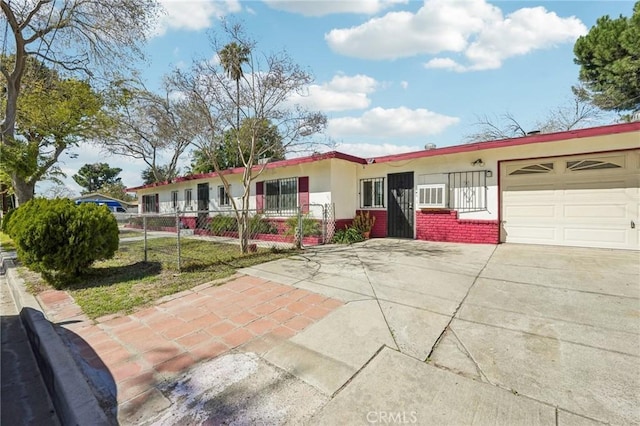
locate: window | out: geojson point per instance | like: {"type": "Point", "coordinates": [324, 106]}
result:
{"type": "Point", "coordinates": [174, 200]}
{"type": "Point", "coordinates": [467, 191]}
{"type": "Point", "coordinates": [372, 192]}
{"type": "Point", "coordinates": [533, 169]}
{"type": "Point", "coordinates": [149, 203]}
{"type": "Point", "coordinates": [281, 195]}
{"type": "Point", "coordinates": [188, 196]}
{"type": "Point", "coordinates": [591, 165]}
{"type": "Point", "coordinates": [223, 197]}
{"type": "Point", "coordinates": [432, 196]}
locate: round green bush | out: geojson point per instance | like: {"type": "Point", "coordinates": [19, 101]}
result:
{"type": "Point", "coordinates": [56, 237]}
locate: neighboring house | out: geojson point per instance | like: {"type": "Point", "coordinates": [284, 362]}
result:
{"type": "Point", "coordinates": [131, 207]}
{"type": "Point", "coordinates": [575, 188]}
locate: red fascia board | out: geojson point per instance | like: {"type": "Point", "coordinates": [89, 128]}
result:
{"type": "Point", "coordinates": [275, 164]}
{"type": "Point", "coordinates": [525, 140]}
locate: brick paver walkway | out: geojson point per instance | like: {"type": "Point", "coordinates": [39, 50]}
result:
{"type": "Point", "coordinates": [158, 342]}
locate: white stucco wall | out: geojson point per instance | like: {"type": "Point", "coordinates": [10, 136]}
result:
{"type": "Point", "coordinates": [344, 184]}
{"type": "Point", "coordinates": [431, 170]}
{"type": "Point", "coordinates": [434, 169]}
{"type": "Point", "coordinates": [337, 181]}
{"type": "Point", "coordinates": [319, 174]}
{"type": "Point", "coordinates": [164, 192]}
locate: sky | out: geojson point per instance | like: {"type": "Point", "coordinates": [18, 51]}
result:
{"type": "Point", "coordinates": [390, 75]}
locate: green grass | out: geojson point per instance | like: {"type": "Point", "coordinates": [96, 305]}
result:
{"type": "Point", "coordinates": [126, 282]}
{"type": "Point", "coordinates": [6, 243]}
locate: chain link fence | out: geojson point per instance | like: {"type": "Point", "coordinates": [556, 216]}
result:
{"type": "Point", "coordinates": [170, 238]}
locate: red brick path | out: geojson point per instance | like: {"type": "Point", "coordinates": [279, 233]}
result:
{"type": "Point", "coordinates": [185, 328]}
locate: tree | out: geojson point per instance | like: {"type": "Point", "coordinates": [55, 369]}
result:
{"type": "Point", "coordinates": [212, 100]}
{"type": "Point", "coordinates": [147, 126]}
{"type": "Point", "coordinates": [269, 144]}
{"type": "Point", "coordinates": [54, 114]}
{"type": "Point", "coordinates": [157, 175]}
{"type": "Point", "coordinates": [609, 59]}
{"type": "Point", "coordinates": [59, 191]}
{"type": "Point", "coordinates": [232, 57]}
{"type": "Point", "coordinates": [116, 190]}
{"type": "Point", "coordinates": [74, 35]}
{"type": "Point", "coordinates": [579, 112]}
{"type": "Point", "coordinates": [92, 177]}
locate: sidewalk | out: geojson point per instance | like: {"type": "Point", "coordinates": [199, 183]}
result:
{"type": "Point", "coordinates": [152, 346]}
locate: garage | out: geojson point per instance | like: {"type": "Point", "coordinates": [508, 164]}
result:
{"type": "Point", "coordinates": [581, 200]}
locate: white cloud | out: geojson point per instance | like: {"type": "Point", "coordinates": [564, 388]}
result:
{"type": "Point", "coordinates": [445, 63]}
{"type": "Point", "coordinates": [340, 94]}
{"type": "Point", "coordinates": [393, 122]}
{"type": "Point", "coordinates": [404, 84]}
{"type": "Point", "coordinates": [193, 15]}
{"type": "Point", "coordinates": [324, 7]}
{"type": "Point", "coordinates": [473, 28]}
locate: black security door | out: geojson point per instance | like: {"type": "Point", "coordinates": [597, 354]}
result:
{"type": "Point", "coordinates": [203, 204]}
{"type": "Point", "coordinates": [400, 212]}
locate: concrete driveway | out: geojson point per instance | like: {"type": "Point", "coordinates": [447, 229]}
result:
{"type": "Point", "coordinates": [437, 333]}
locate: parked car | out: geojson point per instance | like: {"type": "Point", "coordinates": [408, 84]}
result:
{"type": "Point", "coordinates": [114, 206]}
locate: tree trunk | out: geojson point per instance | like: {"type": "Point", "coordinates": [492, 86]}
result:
{"type": "Point", "coordinates": [24, 190]}
{"type": "Point", "coordinates": [244, 232]}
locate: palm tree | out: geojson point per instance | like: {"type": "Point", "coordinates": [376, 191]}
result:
{"type": "Point", "coordinates": [232, 56]}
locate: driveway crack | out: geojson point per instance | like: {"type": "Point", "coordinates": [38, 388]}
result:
{"type": "Point", "coordinates": [466, 351]}
{"type": "Point", "coordinates": [375, 296]}
{"type": "Point", "coordinates": [455, 312]}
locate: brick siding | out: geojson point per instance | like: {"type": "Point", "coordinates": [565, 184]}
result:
{"type": "Point", "coordinates": [379, 229]}
{"type": "Point", "coordinates": [444, 225]}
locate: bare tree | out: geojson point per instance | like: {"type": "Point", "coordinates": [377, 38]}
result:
{"type": "Point", "coordinates": [213, 98]}
{"type": "Point", "coordinates": [79, 36]}
{"type": "Point", "coordinates": [147, 126]}
{"type": "Point", "coordinates": [60, 191]}
{"type": "Point", "coordinates": [503, 127]}
{"type": "Point", "coordinates": [578, 113]}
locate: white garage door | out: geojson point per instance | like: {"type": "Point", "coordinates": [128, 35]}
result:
{"type": "Point", "coordinates": [587, 201]}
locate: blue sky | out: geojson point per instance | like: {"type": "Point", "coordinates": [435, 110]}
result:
{"type": "Point", "coordinates": [393, 75]}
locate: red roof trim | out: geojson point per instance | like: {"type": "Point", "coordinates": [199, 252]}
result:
{"type": "Point", "coordinates": [275, 164]}
{"type": "Point", "coordinates": [540, 138]}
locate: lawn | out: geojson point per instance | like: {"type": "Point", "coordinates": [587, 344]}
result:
{"type": "Point", "coordinates": [6, 243]}
{"type": "Point", "coordinates": [126, 282]}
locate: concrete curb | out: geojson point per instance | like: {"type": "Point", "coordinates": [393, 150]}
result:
{"type": "Point", "coordinates": [73, 399]}
{"type": "Point", "coordinates": [21, 297]}
{"type": "Point", "coordinates": [74, 402]}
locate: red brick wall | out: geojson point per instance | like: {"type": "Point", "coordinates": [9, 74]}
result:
{"type": "Point", "coordinates": [379, 229]}
{"type": "Point", "coordinates": [444, 225]}
{"type": "Point", "coordinates": [343, 223]}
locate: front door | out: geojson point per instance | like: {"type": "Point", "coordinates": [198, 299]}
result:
{"type": "Point", "coordinates": [203, 204]}
{"type": "Point", "coordinates": [400, 213]}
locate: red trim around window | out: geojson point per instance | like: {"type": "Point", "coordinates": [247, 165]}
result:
{"type": "Point", "coordinates": [303, 193]}
{"type": "Point", "coordinates": [259, 197]}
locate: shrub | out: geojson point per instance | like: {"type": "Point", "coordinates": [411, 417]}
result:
{"type": "Point", "coordinates": [348, 235]}
{"type": "Point", "coordinates": [363, 222]}
{"type": "Point", "coordinates": [222, 223]}
{"type": "Point", "coordinates": [5, 221]}
{"type": "Point", "coordinates": [310, 227]}
{"type": "Point", "coordinates": [153, 222]}
{"type": "Point", "coordinates": [22, 214]}
{"type": "Point", "coordinates": [57, 238]}
{"type": "Point", "coordinates": [258, 225]}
